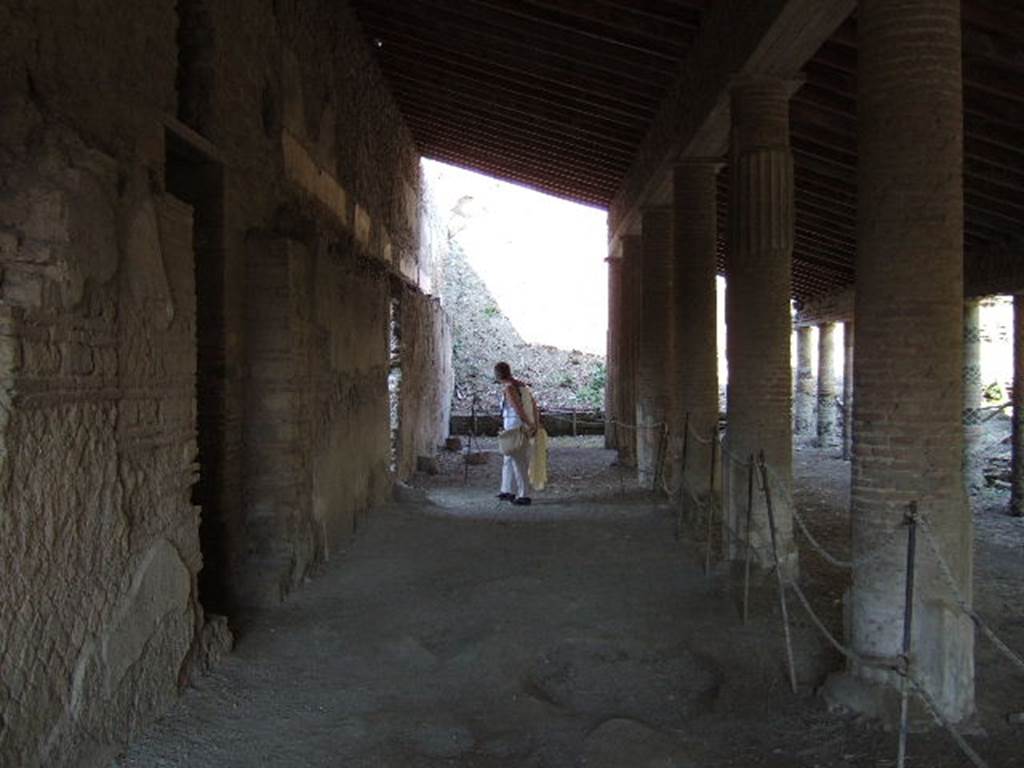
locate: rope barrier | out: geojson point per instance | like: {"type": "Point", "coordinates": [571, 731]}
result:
{"type": "Point", "coordinates": [933, 709]}
{"type": "Point", "coordinates": [765, 480]}
{"type": "Point", "coordinates": [962, 604]}
{"type": "Point", "coordinates": [848, 564]}
{"type": "Point", "coordinates": [902, 670]}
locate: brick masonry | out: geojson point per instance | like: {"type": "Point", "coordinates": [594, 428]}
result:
{"type": "Point", "coordinates": [100, 545]}
{"type": "Point", "coordinates": [908, 435]}
{"type": "Point", "coordinates": [652, 385]}
{"type": "Point", "coordinates": [612, 407]}
{"type": "Point", "coordinates": [826, 410]}
{"type": "Point", "coordinates": [804, 395]}
{"type": "Point", "coordinates": [693, 358]}
{"type": "Point", "coordinates": [758, 270]}
{"type": "Point", "coordinates": [629, 340]}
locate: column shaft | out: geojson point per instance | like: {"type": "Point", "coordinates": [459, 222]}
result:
{"type": "Point", "coordinates": [694, 353]}
{"type": "Point", "coordinates": [826, 405]}
{"type": "Point", "coordinates": [847, 390]}
{"type": "Point", "coordinates": [612, 347]}
{"type": "Point", "coordinates": [1017, 460]}
{"type": "Point", "coordinates": [758, 317]}
{"type": "Point", "coordinates": [908, 431]}
{"type": "Point", "coordinates": [629, 339]}
{"type": "Point", "coordinates": [652, 364]}
{"type": "Point", "coordinates": [972, 387]}
{"type": "Point", "coordinates": [803, 405]}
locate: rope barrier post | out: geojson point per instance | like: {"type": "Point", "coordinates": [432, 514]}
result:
{"type": "Point", "coordinates": [908, 618]}
{"type": "Point", "coordinates": [750, 514]}
{"type": "Point", "coordinates": [659, 459]}
{"type": "Point", "coordinates": [682, 483]}
{"type": "Point", "coordinates": [469, 449]}
{"type": "Point", "coordinates": [686, 439]}
{"type": "Point", "coordinates": [778, 571]}
{"type": "Point", "coordinates": [574, 434]}
{"type": "Point", "coordinates": [711, 504]}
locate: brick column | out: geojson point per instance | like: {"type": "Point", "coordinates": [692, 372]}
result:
{"type": "Point", "coordinates": [803, 403]}
{"type": "Point", "coordinates": [652, 363]}
{"type": "Point", "coordinates": [694, 353]}
{"type": "Point", "coordinates": [612, 353]}
{"type": "Point", "coordinates": [972, 385]}
{"type": "Point", "coordinates": [826, 400]}
{"type": "Point", "coordinates": [847, 391]}
{"type": "Point", "coordinates": [908, 432]}
{"type": "Point", "coordinates": [758, 318]}
{"type": "Point", "coordinates": [1017, 462]}
{"type": "Point", "coordinates": [629, 339]}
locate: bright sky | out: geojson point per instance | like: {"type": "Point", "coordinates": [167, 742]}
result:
{"type": "Point", "coordinates": [541, 257]}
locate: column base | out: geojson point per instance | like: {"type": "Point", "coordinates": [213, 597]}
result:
{"type": "Point", "coordinates": [879, 702]}
{"type": "Point", "coordinates": [848, 692]}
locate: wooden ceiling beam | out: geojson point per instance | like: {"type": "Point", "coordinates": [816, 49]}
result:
{"type": "Point", "coordinates": [462, 40]}
{"type": "Point", "coordinates": [603, 157]}
{"type": "Point", "coordinates": [471, 19]}
{"type": "Point", "coordinates": [567, 20]}
{"type": "Point", "coordinates": [477, 55]}
{"type": "Point", "coordinates": [523, 154]}
{"type": "Point", "coordinates": [1002, 20]}
{"type": "Point", "coordinates": [443, 89]}
{"type": "Point", "coordinates": [641, 20]}
{"type": "Point", "coordinates": [560, 82]}
{"type": "Point", "coordinates": [565, 118]}
{"type": "Point", "coordinates": [542, 182]}
{"type": "Point", "coordinates": [497, 125]}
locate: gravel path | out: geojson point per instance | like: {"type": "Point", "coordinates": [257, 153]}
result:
{"type": "Point", "coordinates": [457, 631]}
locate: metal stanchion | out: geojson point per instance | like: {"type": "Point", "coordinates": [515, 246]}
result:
{"type": "Point", "coordinates": [682, 485]}
{"type": "Point", "coordinates": [659, 458]}
{"type": "Point", "coordinates": [908, 618]}
{"type": "Point", "coordinates": [711, 502]}
{"type": "Point", "coordinates": [778, 571]}
{"type": "Point", "coordinates": [750, 514]}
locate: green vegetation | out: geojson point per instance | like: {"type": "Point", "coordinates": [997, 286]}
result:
{"type": "Point", "coordinates": [593, 393]}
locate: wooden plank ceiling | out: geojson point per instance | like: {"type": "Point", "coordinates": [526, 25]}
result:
{"type": "Point", "coordinates": [558, 95]}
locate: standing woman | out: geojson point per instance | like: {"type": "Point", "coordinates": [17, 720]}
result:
{"type": "Point", "coordinates": [518, 412]}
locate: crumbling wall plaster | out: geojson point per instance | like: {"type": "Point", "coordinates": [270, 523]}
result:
{"type": "Point", "coordinates": [98, 539]}
{"type": "Point", "coordinates": [99, 544]}
{"type": "Point", "coordinates": [428, 379]}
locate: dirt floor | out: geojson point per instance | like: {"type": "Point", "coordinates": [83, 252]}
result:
{"type": "Point", "coordinates": [461, 631]}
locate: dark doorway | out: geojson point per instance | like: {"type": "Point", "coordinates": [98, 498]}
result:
{"type": "Point", "coordinates": [194, 176]}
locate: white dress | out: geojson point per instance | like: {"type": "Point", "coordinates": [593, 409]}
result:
{"type": "Point", "coordinates": [515, 470]}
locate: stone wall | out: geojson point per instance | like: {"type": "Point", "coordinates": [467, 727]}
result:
{"type": "Point", "coordinates": [428, 378]}
{"type": "Point", "coordinates": [259, 194]}
{"type": "Point", "coordinates": [99, 546]}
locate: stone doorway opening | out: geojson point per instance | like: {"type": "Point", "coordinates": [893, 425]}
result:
{"type": "Point", "coordinates": [195, 176]}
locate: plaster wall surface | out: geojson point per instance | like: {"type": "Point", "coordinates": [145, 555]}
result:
{"type": "Point", "coordinates": [99, 546]}
{"type": "Point", "coordinates": [428, 378]}
{"type": "Point", "coordinates": [99, 537]}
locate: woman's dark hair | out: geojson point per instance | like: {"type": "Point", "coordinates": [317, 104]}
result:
{"type": "Point", "coordinates": [503, 371]}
